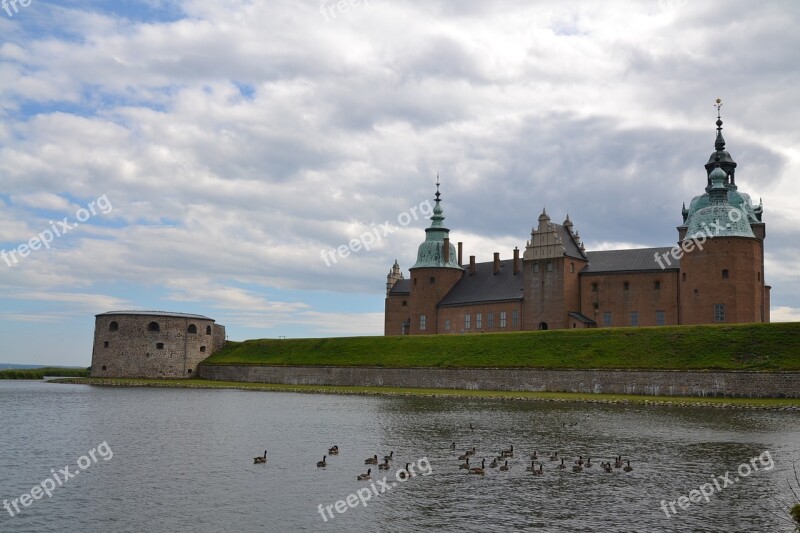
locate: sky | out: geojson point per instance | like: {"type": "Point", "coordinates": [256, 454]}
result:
{"type": "Point", "coordinates": [201, 156]}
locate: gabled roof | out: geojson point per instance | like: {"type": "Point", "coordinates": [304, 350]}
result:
{"type": "Point", "coordinates": [485, 285]}
{"type": "Point", "coordinates": [401, 286]}
{"type": "Point", "coordinates": [634, 260]}
{"type": "Point", "coordinates": [570, 248]}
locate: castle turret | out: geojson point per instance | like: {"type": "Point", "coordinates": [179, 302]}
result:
{"type": "Point", "coordinates": [395, 275]}
{"type": "Point", "coordinates": [434, 274]}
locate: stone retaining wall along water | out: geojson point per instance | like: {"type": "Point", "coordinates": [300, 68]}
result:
{"type": "Point", "coordinates": [645, 382]}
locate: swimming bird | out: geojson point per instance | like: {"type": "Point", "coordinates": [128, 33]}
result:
{"type": "Point", "coordinates": [504, 468]}
{"type": "Point", "coordinates": [470, 452]}
{"type": "Point", "coordinates": [463, 456]}
{"type": "Point", "coordinates": [579, 461]}
{"type": "Point", "coordinates": [628, 467]}
{"type": "Point", "coordinates": [333, 450]}
{"type": "Point", "coordinates": [260, 460]}
{"type": "Point", "coordinates": [508, 453]}
{"type": "Point", "coordinates": [388, 458]}
{"type": "Point", "coordinates": [588, 462]}
{"type": "Point", "coordinates": [365, 477]}
{"type": "Point", "coordinates": [372, 460]}
{"type": "Point", "coordinates": [404, 474]}
{"type": "Point", "coordinates": [607, 468]}
{"type": "Point", "coordinates": [534, 457]}
{"type": "Point", "coordinates": [554, 457]}
{"type": "Point", "coordinates": [464, 465]}
{"type": "Point", "coordinates": [453, 446]}
{"type": "Point", "coordinates": [531, 468]}
{"type": "Point", "coordinates": [384, 466]}
{"type": "Point", "coordinates": [471, 427]}
{"type": "Point", "coordinates": [479, 470]}
{"type": "Point", "coordinates": [561, 466]}
{"type": "Point", "coordinates": [493, 463]}
{"type": "Point", "coordinates": [323, 463]}
{"type": "Point", "coordinates": [618, 462]}
{"type": "Point", "coordinates": [577, 468]}
{"type": "Point", "coordinates": [539, 472]}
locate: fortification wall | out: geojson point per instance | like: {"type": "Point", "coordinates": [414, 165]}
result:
{"type": "Point", "coordinates": [664, 383]}
{"type": "Point", "coordinates": [131, 346]}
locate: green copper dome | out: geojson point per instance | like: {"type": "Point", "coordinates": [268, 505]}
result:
{"type": "Point", "coordinates": [718, 218]}
{"type": "Point", "coordinates": [431, 252]}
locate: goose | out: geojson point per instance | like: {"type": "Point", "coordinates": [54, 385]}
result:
{"type": "Point", "coordinates": [493, 463]}
{"type": "Point", "coordinates": [260, 459]}
{"type": "Point", "coordinates": [333, 450]}
{"type": "Point", "coordinates": [463, 456]}
{"type": "Point", "coordinates": [561, 466]}
{"type": "Point", "coordinates": [628, 467]}
{"type": "Point", "coordinates": [471, 427]}
{"type": "Point", "coordinates": [323, 463]}
{"type": "Point", "coordinates": [534, 457]}
{"type": "Point", "coordinates": [554, 457]}
{"type": "Point", "coordinates": [508, 453]}
{"type": "Point", "coordinates": [365, 477]}
{"type": "Point", "coordinates": [372, 460]}
{"type": "Point", "coordinates": [504, 468]}
{"type": "Point", "coordinates": [618, 462]}
{"type": "Point", "coordinates": [384, 466]}
{"type": "Point", "coordinates": [577, 468]}
{"type": "Point", "coordinates": [479, 470]}
{"type": "Point", "coordinates": [389, 457]}
{"type": "Point", "coordinates": [539, 472]}
{"type": "Point", "coordinates": [607, 467]}
{"type": "Point", "coordinates": [465, 465]}
{"type": "Point", "coordinates": [579, 462]}
{"type": "Point", "coordinates": [470, 452]}
{"type": "Point", "coordinates": [404, 474]}
{"type": "Point", "coordinates": [588, 462]}
{"type": "Point", "coordinates": [531, 468]}
{"type": "Point", "coordinates": [453, 446]}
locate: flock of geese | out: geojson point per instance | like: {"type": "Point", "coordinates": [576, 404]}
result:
{"type": "Point", "coordinates": [334, 450]}
{"type": "Point", "coordinates": [578, 465]}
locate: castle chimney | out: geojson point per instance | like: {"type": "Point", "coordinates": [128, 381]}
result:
{"type": "Point", "coordinates": [516, 260]}
{"type": "Point", "coordinates": [446, 250]}
{"type": "Point", "coordinates": [471, 265]}
{"type": "Point", "coordinates": [496, 262]}
{"type": "Point", "coordinates": [460, 257]}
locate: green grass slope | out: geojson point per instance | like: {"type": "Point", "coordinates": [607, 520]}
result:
{"type": "Point", "coordinates": [718, 347]}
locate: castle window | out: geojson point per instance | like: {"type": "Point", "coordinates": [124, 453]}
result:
{"type": "Point", "coordinates": [192, 328]}
{"type": "Point", "coordinates": [696, 292]}
{"type": "Point", "coordinates": [153, 326]}
{"type": "Point", "coordinates": [490, 320]}
{"type": "Point", "coordinates": [634, 318]}
{"type": "Point", "coordinates": [432, 280]}
{"type": "Point", "coordinates": [478, 320]}
{"type": "Point", "coordinates": [105, 344]}
{"type": "Point", "coordinates": [725, 274]}
{"type": "Point", "coordinates": [759, 276]}
{"type": "Point", "coordinates": [160, 346]}
{"type": "Point", "coordinates": [626, 286]}
{"type": "Point", "coordinates": [467, 321]}
{"type": "Point", "coordinates": [113, 326]}
{"type": "Point", "coordinates": [607, 318]}
{"type": "Point", "coordinates": [189, 371]}
{"type": "Point", "coordinates": [719, 312]}
{"type": "Point", "coordinates": [447, 325]}
{"type": "Point", "coordinates": [571, 268]}
{"type": "Point", "coordinates": [405, 303]}
{"type": "Point", "coordinates": [415, 281]}
{"type": "Point", "coordinates": [549, 266]}
{"type": "Point", "coordinates": [683, 276]}
{"type": "Point", "coordinates": [103, 367]}
{"type": "Point", "coordinates": [535, 267]}
{"type": "Point", "coordinates": [422, 322]}
{"type": "Point", "coordinates": [657, 285]}
{"type": "Point", "coordinates": [502, 319]}
{"type": "Point", "coordinates": [594, 287]}
{"type": "Point", "coordinates": [660, 318]}
{"type": "Point", "coordinates": [208, 330]}
{"type": "Point", "coordinates": [202, 348]}
{"type": "Point", "coordinates": [515, 318]}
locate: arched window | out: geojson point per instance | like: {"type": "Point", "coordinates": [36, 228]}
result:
{"type": "Point", "coordinates": [153, 326]}
{"type": "Point", "coordinates": [113, 326]}
{"type": "Point", "coordinates": [160, 346]}
{"type": "Point", "coordinates": [725, 274]}
{"type": "Point", "coordinates": [202, 348]}
{"type": "Point", "coordinates": [208, 330]}
{"type": "Point", "coordinates": [192, 328]}
{"type": "Point", "coordinates": [104, 367]}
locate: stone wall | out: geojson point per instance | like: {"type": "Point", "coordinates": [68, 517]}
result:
{"type": "Point", "coordinates": [664, 383]}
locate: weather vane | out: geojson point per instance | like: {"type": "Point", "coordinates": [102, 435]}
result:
{"type": "Point", "coordinates": [718, 104]}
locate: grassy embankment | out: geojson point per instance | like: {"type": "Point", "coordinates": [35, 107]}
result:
{"type": "Point", "coordinates": [770, 347]}
{"type": "Point", "coordinates": [757, 403]}
{"type": "Point", "coordinates": [39, 373]}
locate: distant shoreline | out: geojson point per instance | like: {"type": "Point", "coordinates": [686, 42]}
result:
{"type": "Point", "coordinates": [779, 404]}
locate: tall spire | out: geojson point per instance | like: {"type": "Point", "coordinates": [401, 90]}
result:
{"type": "Point", "coordinates": [719, 144]}
{"type": "Point", "coordinates": [726, 161]}
{"type": "Point", "coordinates": [431, 252]}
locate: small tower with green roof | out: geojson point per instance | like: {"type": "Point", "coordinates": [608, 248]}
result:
{"type": "Point", "coordinates": [434, 274]}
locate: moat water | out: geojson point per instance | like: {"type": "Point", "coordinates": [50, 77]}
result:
{"type": "Point", "coordinates": [183, 461]}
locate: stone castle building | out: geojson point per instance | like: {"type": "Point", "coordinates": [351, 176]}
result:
{"type": "Point", "coordinates": [152, 344]}
{"type": "Point", "coordinates": [715, 274]}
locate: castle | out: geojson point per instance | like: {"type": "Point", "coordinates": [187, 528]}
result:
{"type": "Point", "coordinates": [152, 344]}
{"type": "Point", "coordinates": [714, 274]}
